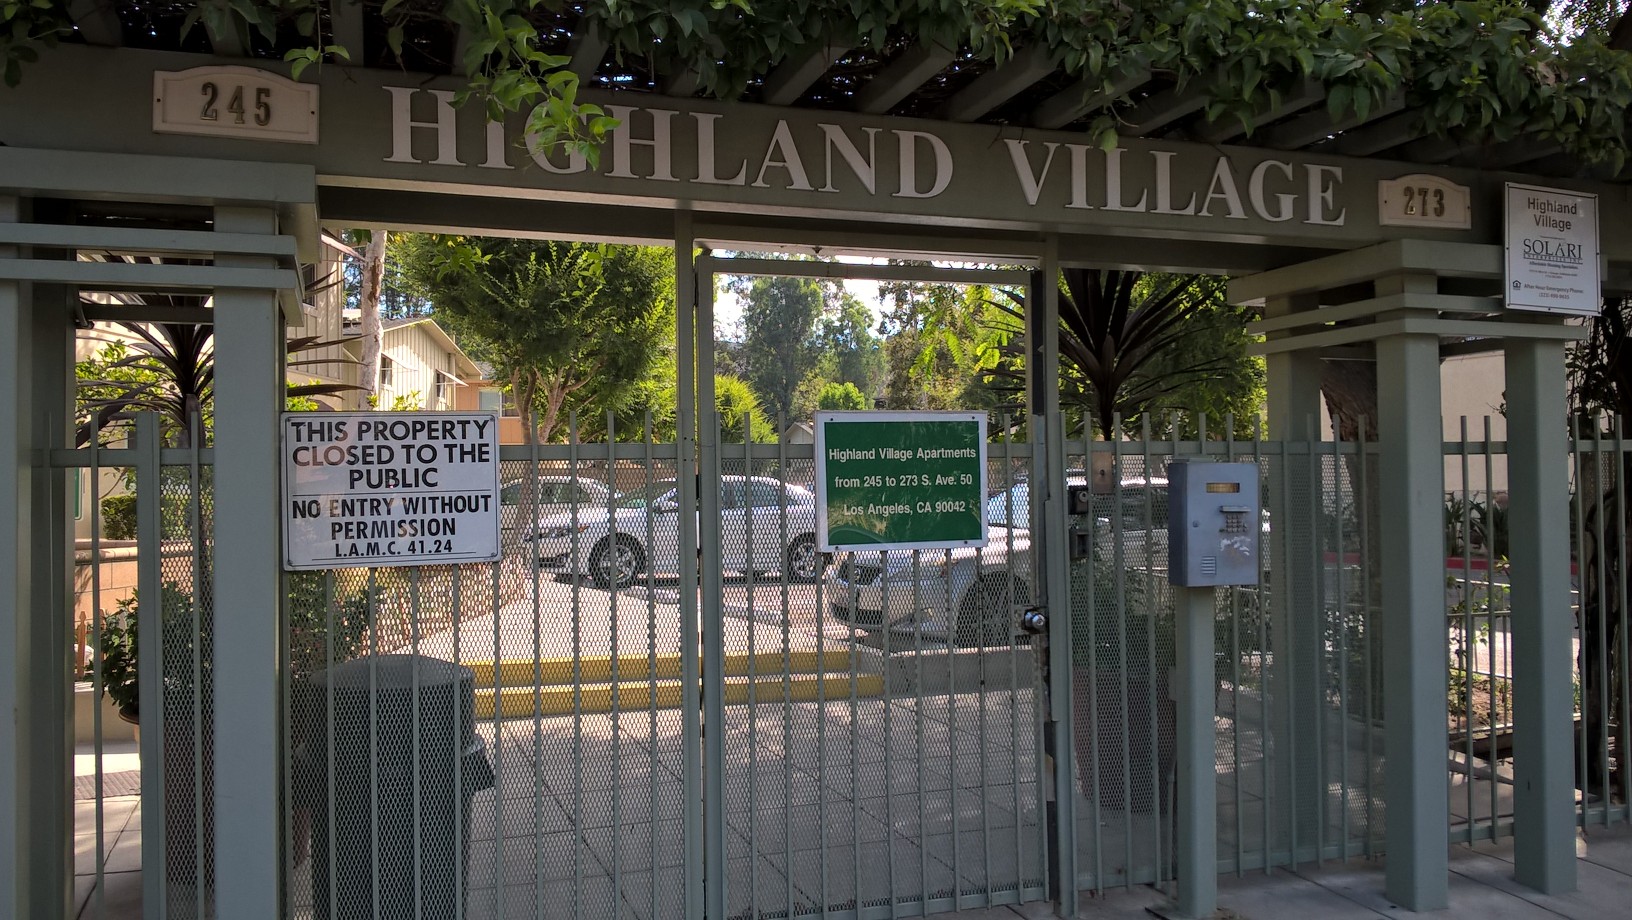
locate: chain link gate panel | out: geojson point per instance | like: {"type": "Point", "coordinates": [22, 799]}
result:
{"type": "Point", "coordinates": [502, 740]}
{"type": "Point", "coordinates": [879, 747]}
{"type": "Point", "coordinates": [1297, 723]}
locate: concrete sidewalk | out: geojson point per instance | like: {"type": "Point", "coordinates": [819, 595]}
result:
{"type": "Point", "coordinates": [1481, 885]}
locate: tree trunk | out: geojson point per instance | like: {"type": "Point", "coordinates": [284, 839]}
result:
{"type": "Point", "coordinates": [1350, 388]}
{"type": "Point", "coordinates": [368, 301]}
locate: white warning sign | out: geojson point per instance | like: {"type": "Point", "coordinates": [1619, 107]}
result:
{"type": "Point", "coordinates": [389, 488]}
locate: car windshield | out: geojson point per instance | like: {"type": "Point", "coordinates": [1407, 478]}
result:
{"type": "Point", "coordinates": [645, 497]}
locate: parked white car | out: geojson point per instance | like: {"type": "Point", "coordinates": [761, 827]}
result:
{"type": "Point", "coordinates": [552, 495]}
{"type": "Point", "coordinates": [969, 597]}
{"type": "Point", "coordinates": [641, 533]}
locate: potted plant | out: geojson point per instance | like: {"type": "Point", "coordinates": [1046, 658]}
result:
{"type": "Point", "coordinates": [188, 768]}
{"type": "Point", "coordinates": [118, 653]}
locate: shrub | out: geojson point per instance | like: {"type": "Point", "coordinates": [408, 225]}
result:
{"type": "Point", "coordinates": [119, 517]}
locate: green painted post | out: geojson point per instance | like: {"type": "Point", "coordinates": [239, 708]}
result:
{"type": "Point", "coordinates": [1538, 525]}
{"type": "Point", "coordinates": [687, 281]}
{"type": "Point", "coordinates": [1294, 808]}
{"type": "Point", "coordinates": [1048, 463]}
{"type": "Point", "coordinates": [35, 738]}
{"type": "Point", "coordinates": [1412, 485]}
{"type": "Point", "coordinates": [712, 591]}
{"type": "Point", "coordinates": [17, 897]}
{"type": "Point", "coordinates": [1198, 781]}
{"type": "Point", "coordinates": [248, 584]}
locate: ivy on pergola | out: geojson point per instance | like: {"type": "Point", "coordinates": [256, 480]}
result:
{"type": "Point", "coordinates": [1481, 70]}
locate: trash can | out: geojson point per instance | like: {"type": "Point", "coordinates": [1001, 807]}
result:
{"type": "Point", "coordinates": [402, 816]}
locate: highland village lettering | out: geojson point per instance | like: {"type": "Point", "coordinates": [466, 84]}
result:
{"type": "Point", "coordinates": [882, 163]}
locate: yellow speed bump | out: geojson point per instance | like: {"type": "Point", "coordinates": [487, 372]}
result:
{"type": "Point", "coordinates": [526, 702]}
{"type": "Point", "coordinates": [547, 672]}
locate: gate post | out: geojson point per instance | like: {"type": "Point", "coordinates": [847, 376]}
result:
{"type": "Point", "coordinates": [1543, 761]}
{"type": "Point", "coordinates": [1412, 486]}
{"type": "Point", "coordinates": [1294, 396]}
{"type": "Point", "coordinates": [1048, 467]}
{"type": "Point", "coordinates": [249, 394]}
{"type": "Point", "coordinates": [35, 744]}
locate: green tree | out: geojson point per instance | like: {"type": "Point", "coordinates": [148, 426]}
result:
{"type": "Point", "coordinates": [567, 326]}
{"type": "Point", "coordinates": [937, 355]}
{"type": "Point", "coordinates": [1477, 70]}
{"type": "Point", "coordinates": [842, 396]}
{"type": "Point", "coordinates": [779, 316]}
{"type": "Point", "coordinates": [847, 350]}
{"type": "Point", "coordinates": [168, 369]}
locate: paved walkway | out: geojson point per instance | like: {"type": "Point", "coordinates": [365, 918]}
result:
{"type": "Point", "coordinates": [1481, 886]}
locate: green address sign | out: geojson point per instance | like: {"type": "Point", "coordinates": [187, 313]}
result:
{"type": "Point", "coordinates": [900, 480]}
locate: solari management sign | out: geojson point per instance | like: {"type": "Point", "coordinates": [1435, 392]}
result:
{"type": "Point", "coordinates": [389, 488]}
{"type": "Point", "coordinates": [1552, 250]}
{"type": "Point", "coordinates": [900, 480]}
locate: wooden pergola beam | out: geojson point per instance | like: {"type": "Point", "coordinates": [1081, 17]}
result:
{"type": "Point", "coordinates": [1000, 84]}
{"type": "Point", "coordinates": [785, 84]}
{"type": "Point", "coordinates": [910, 70]}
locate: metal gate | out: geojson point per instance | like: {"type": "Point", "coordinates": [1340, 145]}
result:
{"type": "Point", "coordinates": [839, 769]}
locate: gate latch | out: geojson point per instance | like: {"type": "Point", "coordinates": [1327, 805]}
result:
{"type": "Point", "coordinates": [1034, 620]}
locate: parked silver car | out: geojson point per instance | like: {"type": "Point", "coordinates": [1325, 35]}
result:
{"type": "Point", "coordinates": [551, 495]}
{"type": "Point", "coordinates": [970, 597]}
{"type": "Point", "coordinates": [641, 533]}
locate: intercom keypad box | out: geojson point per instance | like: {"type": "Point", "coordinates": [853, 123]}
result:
{"type": "Point", "coordinates": [1213, 523]}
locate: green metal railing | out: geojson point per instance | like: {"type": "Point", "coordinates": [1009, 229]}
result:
{"type": "Point", "coordinates": [868, 743]}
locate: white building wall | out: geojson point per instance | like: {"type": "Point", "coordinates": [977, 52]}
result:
{"type": "Point", "coordinates": [1473, 386]}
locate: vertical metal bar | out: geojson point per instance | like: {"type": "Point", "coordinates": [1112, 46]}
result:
{"type": "Point", "coordinates": [889, 744]}
{"type": "Point", "coordinates": [616, 696]}
{"type": "Point", "coordinates": [1120, 600]}
{"type": "Point", "coordinates": [1090, 602]}
{"type": "Point", "coordinates": [1160, 839]}
{"type": "Point", "coordinates": [1605, 664]}
{"type": "Point", "coordinates": [461, 857]}
{"type": "Point", "coordinates": [787, 652]}
{"type": "Point", "coordinates": [651, 663]}
{"type": "Point", "coordinates": [538, 687]}
{"type": "Point", "coordinates": [1047, 424]}
{"type": "Point", "coordinates": [578, 679]}
{"type": "Point", "coordinates": [1362, 505]}
{"type": "Point", "coordinates": [918, 725]}
{"type": "Point", "coordinates": [822, 718]}
{"type": "Point", "coordinates": [101, 858]}
{"type": "Point", "coordinates": [690, 282]}
{"type": "Point", "coordinates": [1624, 748]}
{"type": "Point", "coordinates": [373, 740]}
{"type": "Point", "coordinates": [1317, 645]}
{"type": "Point", "coordinates": [1469, 662]}
{"type": "Point", "coordinates": [1288, 670]}
{"type": "Point", "coordinates": [196, 616]}
{"type": "Point", "coordinates": [743, 500]}
{"type": "Point", "coordinates": [416, 740]}
{"type": "Point", "coordinates": [498, 686]}
{"type": "Point", "coordinates": [1589, 525]}
{"type": "Point", "coordinates": [855, 739]}
{"type": "Point", "coordinates": [1197, 842]}
{"type": "Point", "coordinates": [1490, 591]}
{"type": "Point", "coordinates": [709, 544]}
{"type": "Point", "coordinates": [1343, 612]}
{"type": "Point", "coordinates": [331, 824]}
{"type": "Point", "coordinates": [150, 680]}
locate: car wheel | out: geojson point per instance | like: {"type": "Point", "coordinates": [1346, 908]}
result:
{"type": "Point", "coordinates": [985, 612]}
{"type": "Point", "coordinates": [615, 563]}
{"type": "Point", "coordinates": [802, 562]}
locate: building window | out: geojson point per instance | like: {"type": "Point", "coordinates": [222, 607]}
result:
{"type": "Point", "coordinates": [490, 400]}
{"type": "Point", "coordinates": [440, 395]}
{"type": "Point", "coordinates": [386, 368]}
